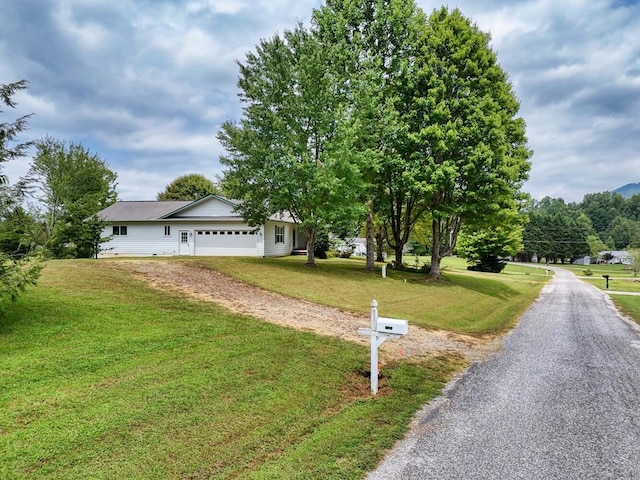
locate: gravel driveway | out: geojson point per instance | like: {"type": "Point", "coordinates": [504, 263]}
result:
{"type": "Point", "coordinates": [205, 284]}
{"type": "Point", "coordinates": [560, 401]}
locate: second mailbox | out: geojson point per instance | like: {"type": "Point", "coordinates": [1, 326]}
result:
{"type": "Point", "coordinates": [392, 326]}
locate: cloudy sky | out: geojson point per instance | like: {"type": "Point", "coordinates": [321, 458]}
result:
{"type": "Point", "coordinates": [146, 84]}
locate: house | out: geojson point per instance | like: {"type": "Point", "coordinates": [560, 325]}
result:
{"type": "Point", "coordinates": [582, 261]}
{"type": "Point", "coordinates": [205, 227]}
{"type": "Point", "coordinates": [615, 257]}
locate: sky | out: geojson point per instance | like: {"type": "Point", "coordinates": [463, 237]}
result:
{"type": "Point", "coordinates": [146, 84]}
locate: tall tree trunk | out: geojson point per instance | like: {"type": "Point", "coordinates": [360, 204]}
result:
{"type": "Point", "coordinates": [398, 250]}
{"type": "Point", "coordinates": [435, 272]}
{"type": "Point", "coordinates": [379, 246]}
{"type": "Point", "coordinates": [371, 264]}
{"type": "Point", "coordinates": [311, 243]}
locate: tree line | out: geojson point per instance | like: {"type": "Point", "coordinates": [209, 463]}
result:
{"type": "Point", "coordinates": [562, 232]}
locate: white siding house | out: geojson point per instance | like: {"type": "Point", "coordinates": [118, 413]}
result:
{"type": "Point", "coordinates": [206, 227]}
{"type": "Point", "coordinates": [615, 257]}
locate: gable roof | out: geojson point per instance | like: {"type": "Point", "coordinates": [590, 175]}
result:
{"type": "Point", "coordinates": [138, 211]}
{"type": "Point", "coordinates": [141, 210]}
{"type": "Point", "coordinates": [181, 208]}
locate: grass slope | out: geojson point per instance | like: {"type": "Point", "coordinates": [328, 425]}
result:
{"type": "Point", "coordinates": [473, 303]}
{"type": "Point", "coordinates": [102, 377]}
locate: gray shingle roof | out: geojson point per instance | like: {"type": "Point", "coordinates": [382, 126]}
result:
{"type": "Point", "coordinates": [138, 211]}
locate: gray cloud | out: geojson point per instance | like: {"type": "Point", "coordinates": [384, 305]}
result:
{"type": "Point", "coordinates": [146, 84]}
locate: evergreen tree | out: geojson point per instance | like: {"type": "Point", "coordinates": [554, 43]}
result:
{"type": "Point", "coordinates": [16, 272]}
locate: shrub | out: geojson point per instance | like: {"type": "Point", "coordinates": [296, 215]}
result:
{"type": "Point", "coordinates": [489, 264]}
{"type": "Point", "coordinates": [17, 274]}
{"type": "Point", "coordinates": [322, 245]}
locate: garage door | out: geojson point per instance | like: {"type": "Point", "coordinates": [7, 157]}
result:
{"type": "Point", "coordinates": [226, 242]}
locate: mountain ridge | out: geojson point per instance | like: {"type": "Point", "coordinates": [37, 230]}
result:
{"type": "Point", "coordinates": [628, 190]}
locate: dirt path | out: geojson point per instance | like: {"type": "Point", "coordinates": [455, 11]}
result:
{"type": "Point", "coordinates": [211, 286]}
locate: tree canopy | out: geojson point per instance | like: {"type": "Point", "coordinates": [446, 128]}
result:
{"type": "Point", "coordinates": [192, 186]}
{"type": "Point", "coordinates": [558, 231]}
{"type": "Point", "coordinates": [287, 154]}
{"type": "Point", "coordinates": [465, 132]}
{"type": "Point", "coordinates": [378, 105]}
{"type": "Point", "coordinates": [374, 44]}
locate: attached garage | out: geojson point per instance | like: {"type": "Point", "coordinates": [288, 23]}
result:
{"type": "Point", "coordinates": [225, 242]}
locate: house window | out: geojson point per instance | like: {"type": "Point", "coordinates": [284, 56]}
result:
{"type": "Point", "coordinates": [167, 230]}
{"type": "Point", "coordinates": [279, 234]}
{"type": "Point", "coordinates": [119, 230]}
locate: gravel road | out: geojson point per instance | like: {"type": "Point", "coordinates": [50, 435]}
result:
{"type": "Point", "coordinates": [560, 401]}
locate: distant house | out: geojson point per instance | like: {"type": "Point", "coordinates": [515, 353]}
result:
{"type": "Point", "coordinates": [205, 227]}
{"type": "Point", "coordinates": [614, 257]}
{"type": "Point", "coordinates": [582, 261]}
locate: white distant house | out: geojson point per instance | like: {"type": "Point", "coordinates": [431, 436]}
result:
{"type": "Point", "coordinates": [617, 257]}
{"type": "Point", "coordinates": [582, 261]}
{"type": "Point", "coordinates": [205, 227]}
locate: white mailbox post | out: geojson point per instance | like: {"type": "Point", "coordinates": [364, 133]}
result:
{"type": "Point", "coordinates": [381, 329]}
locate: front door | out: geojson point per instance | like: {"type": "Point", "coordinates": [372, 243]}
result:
{"type": "Point", "coordinates": [185, 244]}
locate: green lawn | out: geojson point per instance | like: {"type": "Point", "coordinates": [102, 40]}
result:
{"type": "Point", "coordinates": [617, 271]}
{"type": "Point", "coordinates": [103, 377]}
{"type": "Point", "coordinates": [472, 303]}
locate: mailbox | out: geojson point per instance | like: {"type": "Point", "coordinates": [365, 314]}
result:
{"type": "Point", "coordinates": [393, 326]}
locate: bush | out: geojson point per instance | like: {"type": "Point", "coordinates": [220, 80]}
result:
{"type": "Point", "coordinates": [322, 245]}
{"type": "Point", "coordinates": [587, 272]}
{"type": "Point", "coordinates": [17, 274]}
{"type": "Point", "coordinates": [344, 251]}
{"type": "Point", "coordinates": [488, 264]}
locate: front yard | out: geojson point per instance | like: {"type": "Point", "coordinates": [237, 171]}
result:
{"type": "Point", "coordinates": [103, 376]}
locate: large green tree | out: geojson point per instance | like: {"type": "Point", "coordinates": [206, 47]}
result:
{"type": "Point", "coordinates": [383, 108]}
{"type": "Point", "coordinates": [290, 151]}
{"type": "Point", "coordinates": [73, 185]}
{"type": "Point", "coordinates": [464, 130]}
{"type": "Point", "coordinates": [192, 186]}
{"type": "Point", "coordinates": [374, 45]}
